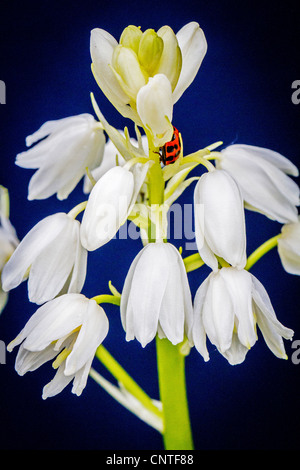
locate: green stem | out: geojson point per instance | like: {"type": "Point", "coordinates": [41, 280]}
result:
{"type": "Point", "coordinates": [261, 251]}
{"type": "Point", "coordinates": [170, 362]}
{"type": "Point", "coordinates": [124, 378]}
{"type": "Point", "coordinates": [73, 213]}
{"type": "Point", "coordinates": [107, 299]}
{"type": "Point", "coordinates": [193, 262]}
{"type": "Point", "coordinates": [177, 432]}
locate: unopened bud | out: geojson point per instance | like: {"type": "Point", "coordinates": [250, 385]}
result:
{"type": "Point", "coordinates": [150, 50]}
{"type": "Point", "coordinates": [131, 37]}
{"type": "Point", "coordinates": [128, 71]}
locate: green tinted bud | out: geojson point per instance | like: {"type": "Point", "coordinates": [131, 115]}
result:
{"type": "Point", "coordinates": [130, 37]}
{"type": "Point", "coordinates": [128, 71]}
{"type": "Point", "coordinates": [150, 50]}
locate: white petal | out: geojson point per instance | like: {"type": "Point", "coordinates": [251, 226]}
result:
{"type": "Point", "coordinates": [102, 46]}
{"type": "Point", "coordinates": [223, 219]}
{"type": "Point", "coordinates": [139, 172]}
{"type": "Point", "coordinates": [51, 269]}
{"type": "Point", "coordinates": [54, 320]}
{"type": "Point", "coordinates": [172, 310]}
{"type": "Point", "coordinates": [80, 266]}
{"type": "Point", "coordinates": [57, 384]}
{"type": "Point", "coordinates": [236, 354]}
{"type": "Point", "coordinates": [110, 158]}
{"type": "Point", "coordinates": [193, 47]}
{"type": "Point", "coordinates": [148, 278]}
{"type": "Point", "coordinates": [92, 332]}
{"type": "Point", "coordinates": [199, 335]}
{"type": "Point", "coordinates": [265, 188]}
{"type": "Point", "coordinates": [51, 127]}
{"type": "Point", "coordinates": [107, 207]}
{"type": "Point", "coordinates": [126, 293]}
{"type": "Point", "coordinates": [30, 247]}
{"type": "Point", "coordinates": [171, 59]}
{"type": "Point", "coordinates": [28, 361]}
{"type": "Point", "coordinates": [3, 299]}
{"type": "Point", "coordinates": [239, 287]}
{"type": "Point", "coordinates": [205, 251]}
{"type": "Point", "coordinates": [272, 330]}
{"type": "Point", "coordinates": [289, 248]}
{"type": "Point", "coordinates": [218, 313]}
{"type": "Point", "coordinates": [63, 156]}
{"type": "Point", "coordinates": [155, 108]}
{"type": "Point", "coordinates": [275, 158]}
{"type": "Point", "coordinates": [81, 377]}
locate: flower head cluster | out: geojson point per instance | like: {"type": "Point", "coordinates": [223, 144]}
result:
{"type": "Point", "coordinates": [143, 75]}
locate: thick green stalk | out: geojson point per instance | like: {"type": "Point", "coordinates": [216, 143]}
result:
{"type": "Point", "coordinates": [170, 362]}
{"type": "Point", "coordinates": [177, 432]}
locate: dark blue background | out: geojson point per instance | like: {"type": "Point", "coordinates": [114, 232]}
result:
{"type": "Point", "coordinates": [242, 93]}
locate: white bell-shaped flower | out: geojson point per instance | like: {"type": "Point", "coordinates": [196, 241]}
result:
{"type": "Point", "coordinates": [227, 307]}
{"type": "Point", "coordinates": [262, 176]}
{"type": "Point", "coordinates": [51, 257]}
{"type": "Point", "coordinates": [70, 328]}
{"type": "Point", "coordinates": [110, 203]}
{"type": "Point", "coordinates": [289, 247]}
{"type": "Point", "coordinates": [156, 296]}
{"type": "Point", "coordinates": [71, 145]}
{"type": "Point", "coordinates": [219, 220]}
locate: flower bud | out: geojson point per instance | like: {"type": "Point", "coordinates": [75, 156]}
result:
{"type": "Point", "coordinates": [131, 37]}
{"type": "Point", "coordinates": [128, 71]}
{"type": "Point", "coordinates": [150, 50]}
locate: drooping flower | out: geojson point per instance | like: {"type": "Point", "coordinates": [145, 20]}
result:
{"type": "Point", "coordinates": [69, 328]}
{"type": "Point", "coordinates": [51, 257]}
{"type": "Point", "coordinates": [110, 203]}
{"type": "Point", "coordinates": [262, 176]}
{"type": "Point", "coordinates": [227, 307]}
{"type": "Point", "coordinates": [219, 220]}
{"type": "Point", "coordinates": [123, 69]}
{"type": "Point", "coordinates": [71, 145]}
{"type": "Point", "coordinates": [156, 297]}
{"type": "Point", "coordinates": [8, 240]}
{"type": "Point", "coordinates": [289, 247]}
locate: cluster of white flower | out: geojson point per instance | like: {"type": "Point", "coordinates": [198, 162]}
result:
{"type": "Point", "coordinates": [143, 75]}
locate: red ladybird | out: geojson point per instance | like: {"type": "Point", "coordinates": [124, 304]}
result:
{"type": "Point", "coordinates": [171, 150]}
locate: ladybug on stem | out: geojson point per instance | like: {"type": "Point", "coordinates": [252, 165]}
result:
{"type": "Point", "coordinates": [171, 150]}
